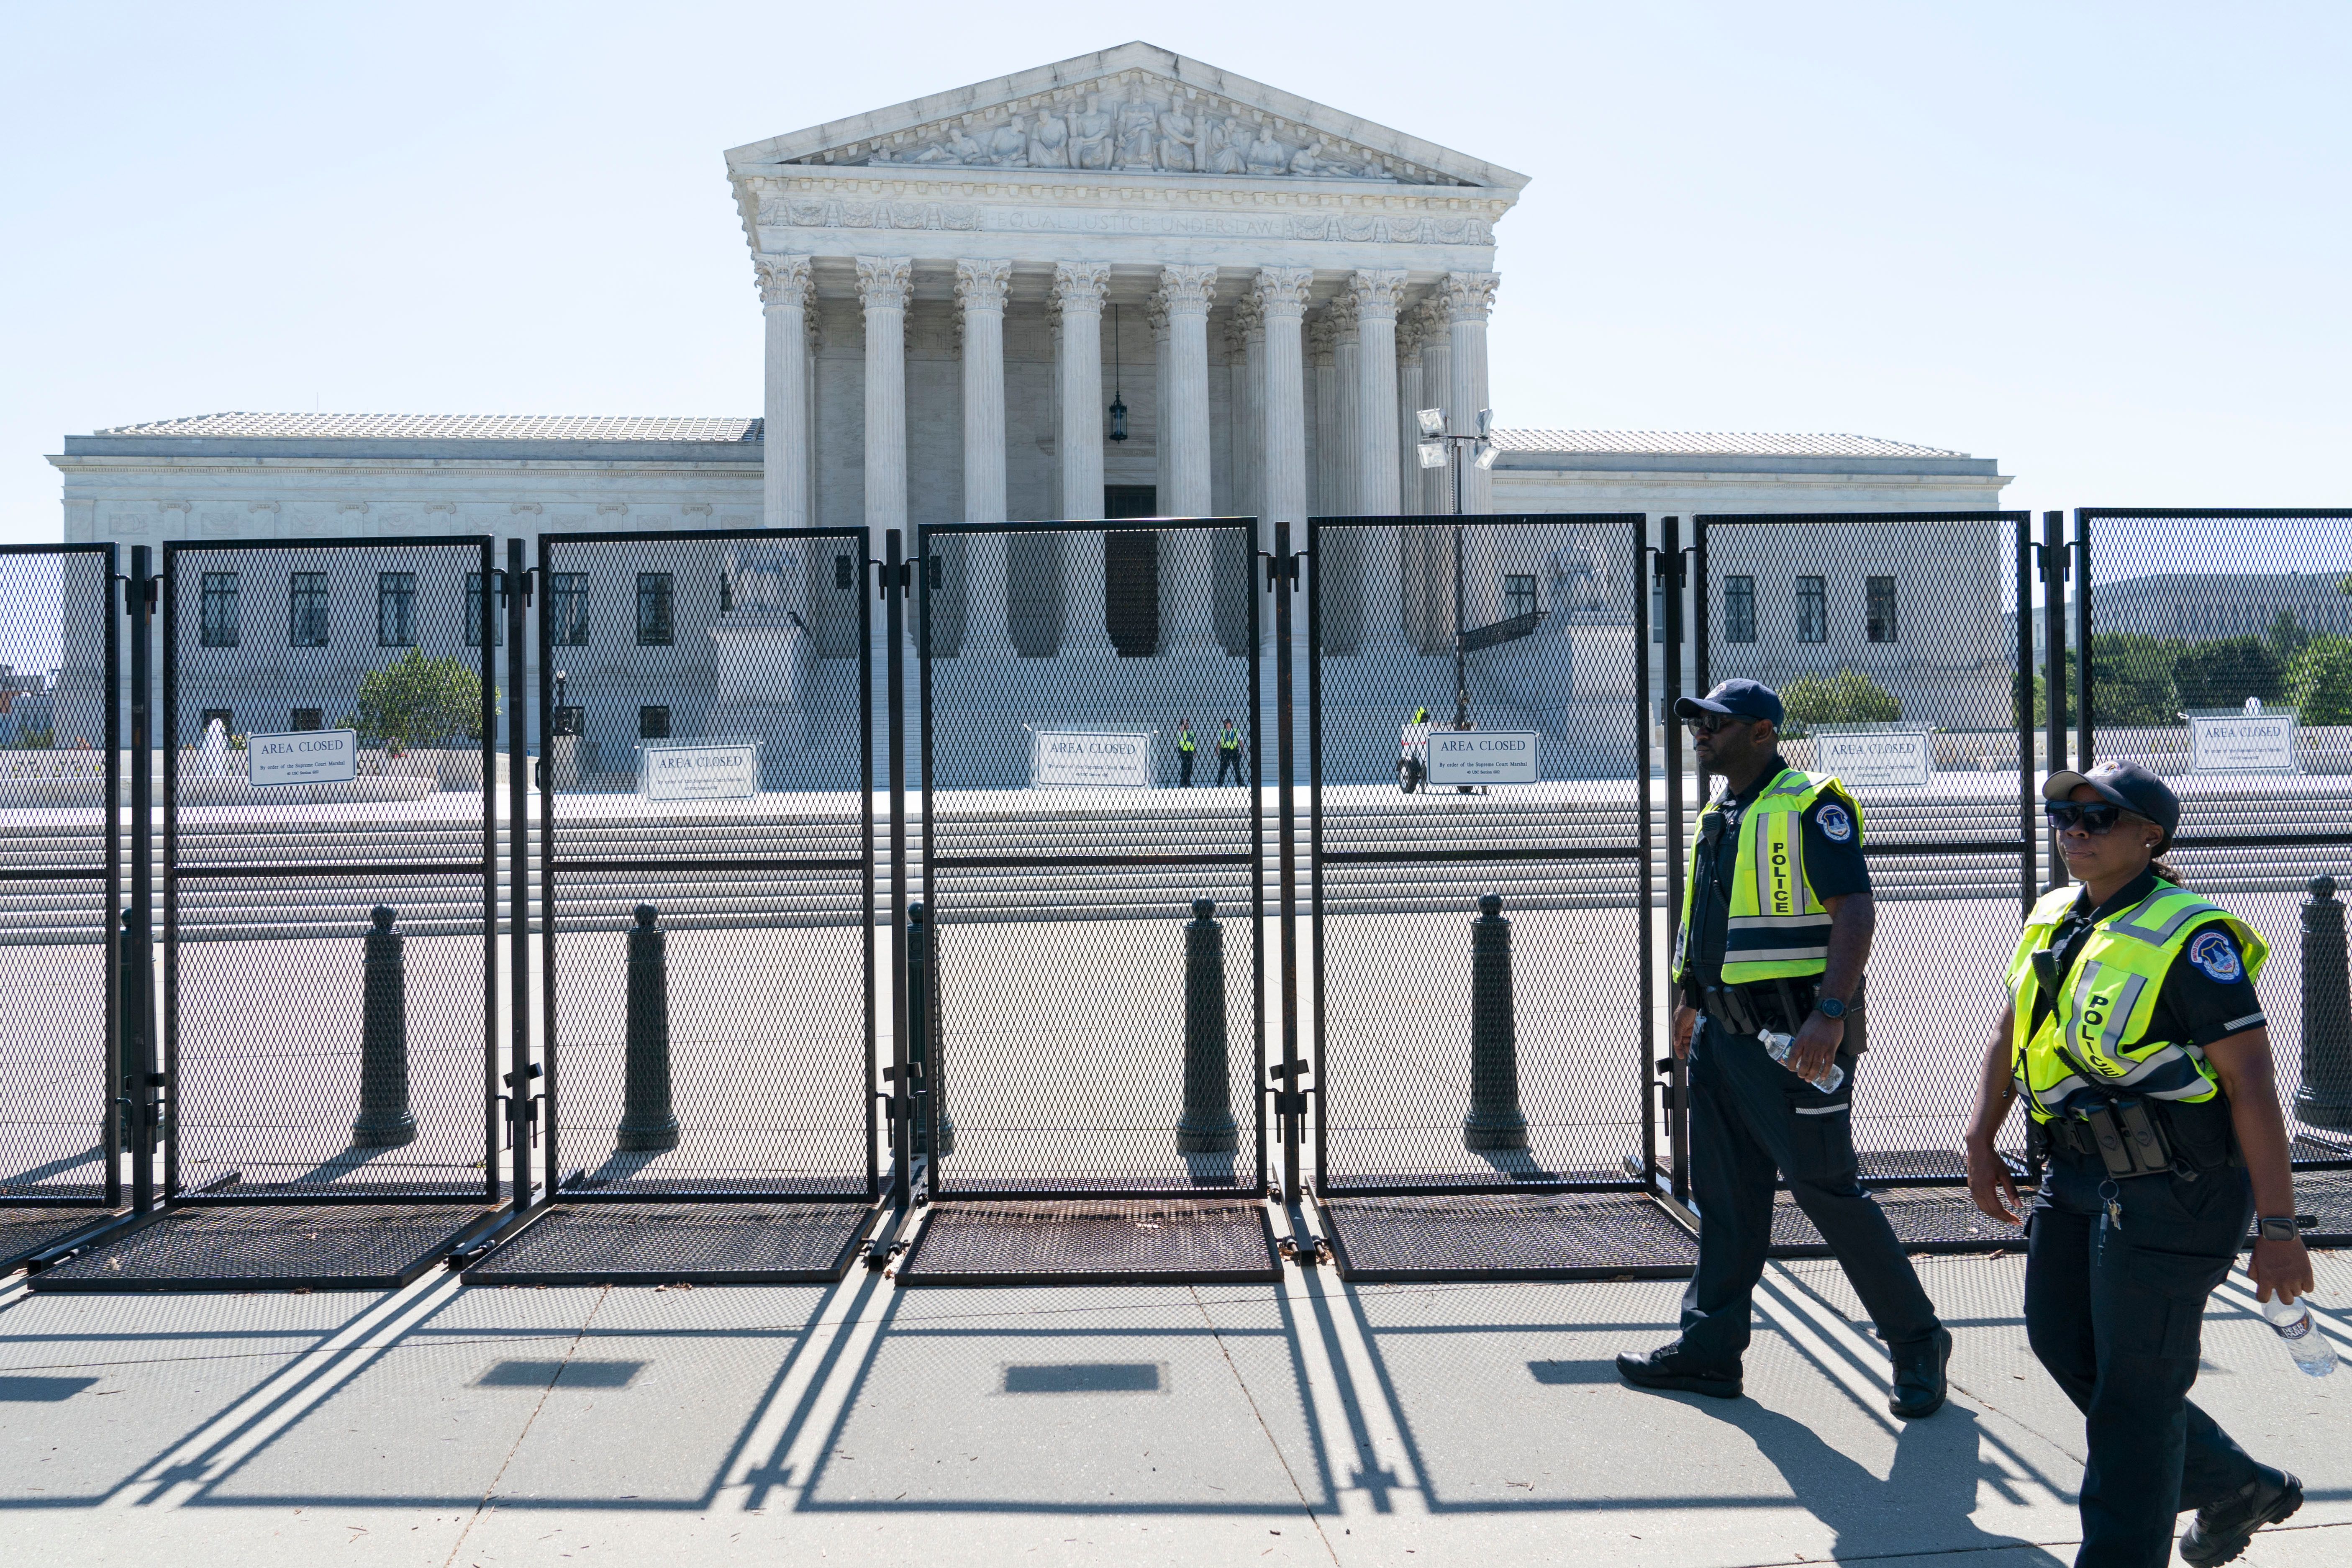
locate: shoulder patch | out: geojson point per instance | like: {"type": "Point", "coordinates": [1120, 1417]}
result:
{"type": "Point", "coordinates": [1835, 825]}
{"type": "Point", "coordinates": [2217, 955]}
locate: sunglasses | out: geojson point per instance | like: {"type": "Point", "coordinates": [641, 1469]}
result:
{"type": "Point", "coordinates": [1713, 722]}
{"type": "Point", "coordinates": [2096, 817]}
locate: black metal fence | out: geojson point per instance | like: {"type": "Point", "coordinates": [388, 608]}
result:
{"type": "Point", "coordinates": [329, 873]}
{"type": "Point", "coordinates": [1899, 643]}
{"type": "Point", "coordinates": [1090, 1029]}
{"type": "Point", "coordinates": [1480, 880]}
{"type": "Point", "coordinates": [2221, 659]}
{"type": "Point", "coordinates": [707, 884]}
{"type": "Point", "coordinates": [61, 778]}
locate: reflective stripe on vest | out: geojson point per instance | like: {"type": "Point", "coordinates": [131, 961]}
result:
{"type": "Point", "coordinates": [1778, 929]}
{"type": "Point", "coordinates": [2095, 1037]}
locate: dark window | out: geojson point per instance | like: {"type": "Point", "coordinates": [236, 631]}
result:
{"type": "Point", "coordinates": [218, 627]}
{"type": "Point", "coordinates": [1813, 610]}
{"type": "Point", "coordinates": [395, 609]}
{"type": "Point", "coordinates": [307, 718]}
{"type": "Point", "coordinates": [1131, 501]}
{"type": "Point", "coordinates": [306, 609]}
{"type": "Point", "coordinates": [1882, 608]}
{"type": "Point", "coordinates": [844, 574]}
{"type": "Point", "coordinates": [1518, 595]}
{"type": "Point", "coordinates": [474, 614]}
{"type": "Point", "coordinates": [1739, 609]}
{"type": "Point", "coordinates": [567, 609]}
{"type": "Point", "coordinates": [653, 723]}
{"type": "Point", "coordinates": [204, 722]}
{"type": "Point", "coordinates": [653, 629]}
{"type": "Point", "coordinates": [725, 592]}
{"type": "Point", "coordinates": [1131, 588]}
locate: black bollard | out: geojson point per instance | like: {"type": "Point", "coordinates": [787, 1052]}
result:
{"type": "Point", "coordinates": [646, 1124]}
{"type": "Point", "coordinates": [386, 1121]}
{"type": "Point", "coordinates": [135, 1102]}
{"type": "Point", "coordinates": [922, 1029]}
{"type": "Point", "coordinates": [1494, 1121]}
{"type": "Point", "coordinates": [2325, 1097]}
{"type": "Point", "coordinates": [1207, 1125]}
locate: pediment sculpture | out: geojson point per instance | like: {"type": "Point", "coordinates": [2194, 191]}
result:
{"type": "Point", "coordinates": [1133, 126]}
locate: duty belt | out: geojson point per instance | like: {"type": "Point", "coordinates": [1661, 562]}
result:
{"type": "Point", "coordinates": [2120, 1133]}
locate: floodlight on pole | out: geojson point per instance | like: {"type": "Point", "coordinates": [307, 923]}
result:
{"type": "Point", "coordinates": [1433, 454]}
{"type": "Point", "coordinates": [1432, 423]}
{"type": "Point", "coordinates": [1486, 450]}
{"type": "Point", "coordinates": [1486, 422]}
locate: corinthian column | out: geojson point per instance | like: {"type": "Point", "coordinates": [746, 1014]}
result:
{"type": "Point", "coordinates": [1409, 401]}
{"type": "Point", "coordinates": [1323, 384]}
{"type": "Point", "coordinates": [1155, 315]}
{"type": "Point", "coordinates": [1249, 320]}
{"type": "Point", "coordinates": [882, 283]}
{"type": "Point", "coordinates": [1281, 294]}
{"type": "Point", "coordinates": [1437, 392]}
{"type": "Point", "coordinates": [783, 449]}
{"type": "Point", "coordinates": [980, 291]}
{"type": "Point", "coordinates": [1470, 300]}
{"type": "Point", "coordinates": [1347, 420]}
{"type": "Point", "coordinates": [1185, 602]}
{"type": "Point", "coordinates": [1376, 296]}
{"type": "Point", "coordinates": [1078, 289]}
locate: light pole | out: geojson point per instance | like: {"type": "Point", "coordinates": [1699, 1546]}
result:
{"type": "Point", "coordinates": [1438, 451]}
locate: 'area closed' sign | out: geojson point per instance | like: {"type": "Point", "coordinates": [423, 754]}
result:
{"type": "Point", "coordinates": [1483, 756]}
{"type": "Point", "coordinates": [304, 757]}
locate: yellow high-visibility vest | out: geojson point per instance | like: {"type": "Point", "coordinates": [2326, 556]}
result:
{"type": "Point", "coordinates": [1779, 930]}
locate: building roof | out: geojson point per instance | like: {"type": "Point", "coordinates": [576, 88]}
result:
{"type": "Point", "coordinates": [1713, 443]}
{"type": "Point", "coordinates": [443, 427]}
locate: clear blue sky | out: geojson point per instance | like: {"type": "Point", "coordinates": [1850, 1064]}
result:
{"type": "Point", "coordinates": [2106, 244]}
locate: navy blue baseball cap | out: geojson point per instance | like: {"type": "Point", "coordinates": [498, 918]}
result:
{"type": "Point", "coordinates": [1736, 700]}
{"type": "Point", "coordinates": [2125, 784]}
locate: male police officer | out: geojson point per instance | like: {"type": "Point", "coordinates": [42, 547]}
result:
{"type": "Point", "coordinates": [1776, 928]}
{"type": "Point", "coordinates": [1185, 753]}
{"type": "Point", "coordinates": [1229, 752]}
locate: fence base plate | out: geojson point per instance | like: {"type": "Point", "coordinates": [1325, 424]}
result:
{"type": "Point", "coordinates": [1094, 1241]}
{"type": "Point", "coordinates": [25, 1231]}
{"type": "Point", "coordinates": [2326, 1197]}
{"type": "Point", "coordinates": [1926, 1219]}
{"type": "Point", "coordinates": [1511, 1236]}
{"type": "Point", "coordinates": [340, 1247]}
{"type": "Point", "coordinates": [680, 1243]}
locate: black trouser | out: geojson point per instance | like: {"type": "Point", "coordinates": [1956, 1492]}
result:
{"type": "Point", "coordinates": [1184, 767]}
{"type": "Point", "coordinates": [1229, 759]}
{"type": "Point", "coordinates": [1750, 1118]}
{"type": "Point", "coordinates": [2115, 1315]}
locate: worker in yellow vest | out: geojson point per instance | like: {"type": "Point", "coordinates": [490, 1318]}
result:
{"type": "Point", "coordinates": [1776, 926]}
{"type": "Point", "coordinates": [1184, 748]}
{"type": "Point", "coordinates": [2134, 1036]}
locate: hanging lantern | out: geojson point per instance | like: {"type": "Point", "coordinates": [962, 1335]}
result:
{"type": "Point", "coordinates": [1118, 403]}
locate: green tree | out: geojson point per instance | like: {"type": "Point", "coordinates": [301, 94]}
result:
{"type": "Point", "coordinates": [418, 702]}
{"type": "Point", "coordinates": [2320, 682]}
{"type": "Point", "coordinates": [1845, 698]}
{"type": "Point", "coordinates": [2224, 673]}
{"type": "Point", "coordinates": [2131, 679]}
{"type": "Point", "coordinates": [2287, 636]}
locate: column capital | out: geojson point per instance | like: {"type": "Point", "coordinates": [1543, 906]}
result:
{"type": "Point", "coordinates": [1155, 312]}
{"type": "Point", "coordinates": [883, 281]}
{"type": "Point", "coordinates": [1080, 286]}
{"type": "Point", "coordinates": [1249, 316]}
{"type": "Point", "coordinates": [1376, 295]}
{"type": "Point", "coordinates": [1341, 315]}
{"type": "Point", "coordinates": [1281, 292]}
{"type": "Point", "coordinates": [982, 284]}
{"type": "Point", "coordinates": [1468, 296]}
{"type": "Point", "coordinates": [783, 281]}
{"type": "Point", "coordinates": [1321, 338]}
{"type": "Point", "coordinates": [1411, 327]}
{"type": "Point", "coordinates": [1186, 289]}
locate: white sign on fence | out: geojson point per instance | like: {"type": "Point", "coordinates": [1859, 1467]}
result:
{"type": "Point", "coordinates": [1876, 761]}
{"type": "Point", "coordinates": [2261, 743]}
{"type": "Point", "coordinates": [305, 757]}
{"type": "Point", "coordinates": [1484, 756]}
{"type": "Point", "coordinates": [1074, 759]}
{"type": "Point", "coordinates": [699, 770]}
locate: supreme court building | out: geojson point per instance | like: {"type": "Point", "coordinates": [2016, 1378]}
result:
{"type": "Point", "coordinates": [1127, 284]}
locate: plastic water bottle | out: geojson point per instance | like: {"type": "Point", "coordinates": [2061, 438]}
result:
{"type": "Point", "coordinates": [1779, 1045]}
{"type": "Point", "coordinates": [2292, 1322]}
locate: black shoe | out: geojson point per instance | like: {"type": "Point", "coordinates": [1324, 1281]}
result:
{"type": "Point", "coordinates": [2221, 1531]}
{"type": "Point", "coordinates": [1664, 1371]}
{"type": "Point", "coordinates": [1919, 1384]}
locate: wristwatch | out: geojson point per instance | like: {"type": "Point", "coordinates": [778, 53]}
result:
{"type": "Point", "coordinates": [1828, 1007]}
{"type": "Point", "coordinates": [2277, 1228]}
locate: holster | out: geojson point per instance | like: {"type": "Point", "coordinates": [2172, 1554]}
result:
{"type": "Point", "coordinates": [2130, 1142]}
{"type": "Point", "coordinates": [1778, 1005]}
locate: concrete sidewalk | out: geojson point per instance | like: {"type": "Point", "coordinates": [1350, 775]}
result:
{"type": "Point", "coordinates": [1306, 1422]}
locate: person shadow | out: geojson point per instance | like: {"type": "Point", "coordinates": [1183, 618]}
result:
{"type": "Point", "coordinates": [1925, 1504]}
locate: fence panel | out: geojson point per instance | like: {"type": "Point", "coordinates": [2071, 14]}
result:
{"type": "Point", "coordinates": [61, 776]}
{"type": "Point", "coordinates": [2221, 659]}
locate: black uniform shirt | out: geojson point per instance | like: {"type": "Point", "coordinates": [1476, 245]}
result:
{"type": "Point", "coordinates": [2207, 994]}
{"type": "Point", "coordinates": [1833, 865]}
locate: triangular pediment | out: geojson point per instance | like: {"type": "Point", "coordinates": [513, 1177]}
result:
{"type": "Point", "coordinates": [1137, 110]}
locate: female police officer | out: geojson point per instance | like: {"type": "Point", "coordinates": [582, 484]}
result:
{"type": "Point", "coordinates": [2133, 1036]}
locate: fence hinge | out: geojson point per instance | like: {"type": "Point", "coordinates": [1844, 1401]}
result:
{"type": "Point", "coordinates": [2056, 566]}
